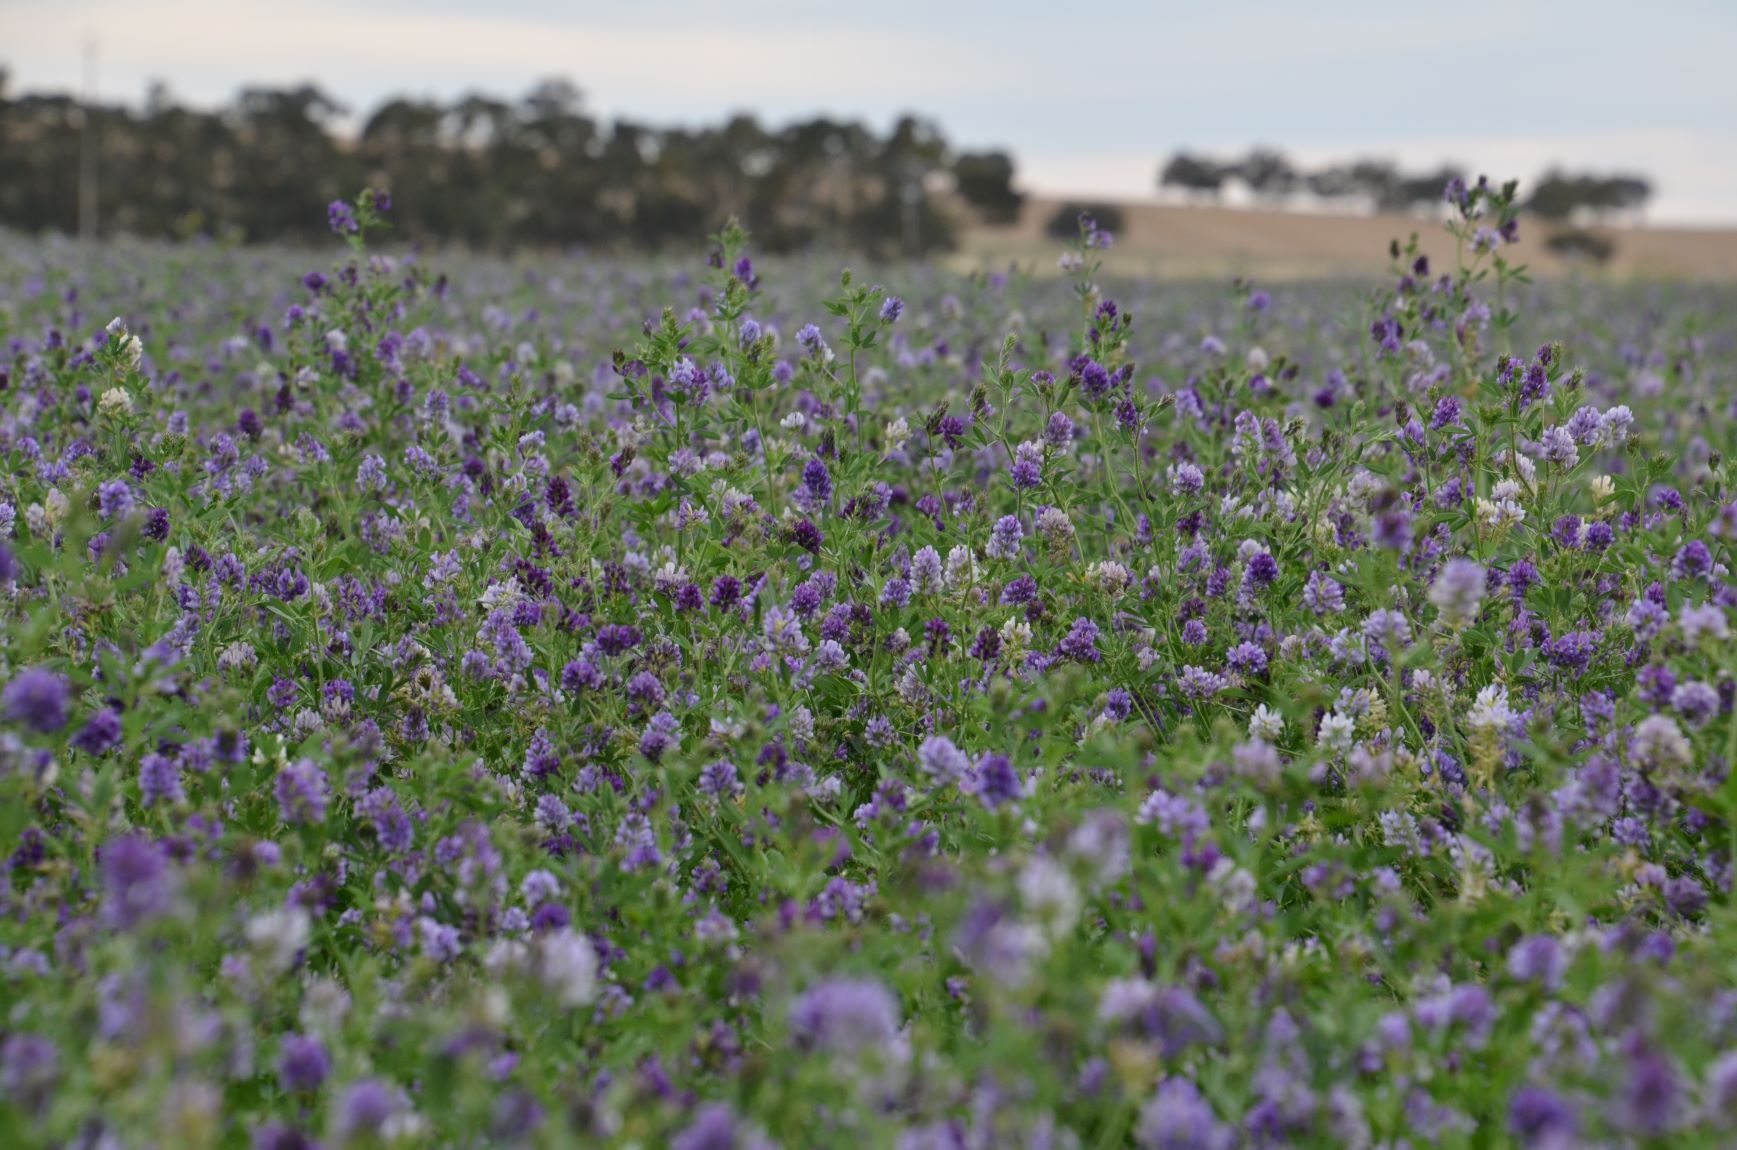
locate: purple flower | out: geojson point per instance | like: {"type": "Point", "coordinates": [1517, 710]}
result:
{"type": "Point", "coordinates": [1721, 1093]}
{"type": "Point", "coordinates": [715, 1128]}
{"type": "Point", "coordinates": [943, 762]}
{"type": "Point", "coordinates": [1026, 471]}
{"type": "Point", "coordinates": [891, 309]}
{"type": "Point", "coordinates": [1392, 530]}
{"type": "Point", "coordinates": [580, 675]}
{"type": "Point", "coordinates": [1080, 643]}
{"type": "Point", "coordinates": [1199, 683]}
{"type": "Point", "coordinates": [1649, 1098]}
{"type": "Point", "coordinates": [997, 782]}
{"type": "Point", "coordinates": [1247, 658]}
{"type": "Point", "coordinates": [1323, 595]}
{"type": "Point", "coordinates": [806, 536]}
{"type": "Point", "coordinates": [1263, 569]}
{"type": "Point", "coordinates": [1179, 1118]}
{"type": "Point", "coordinates": [817, 481]}
{"type": "Point", "coordinates": [1004, 538]}
{"type": "Point", "coordinates": [1387, 629]}
{"type": "Point", "coordinates": [645, 690]}
{"type": "Point", "coordinates": [101, 735]}
{"type": "Point", "coordinates": [29, 1070]}
{"type": "Point", "coordinates": [363, 1110]}
{"type": "Point", "coordinates": [137, 884]}
{"type": "Point", "coordinates": [1538, 959]}
{"type": "Point", "coordinates": [302, 1064]}
{"type": "Point", "coordinates": [1094, 379]}
{"type": "Point", "coordinates": [617, 638]}
{"type": "Point", "coordinates": [1539, 1118]}
{"type": "Point", "coordinates": [1458, 591]}
{"type": "Point", "coordinates": [37, 698]}
{"type": "Point", "coordinates": [720, 780]}
{"type": "Point", "coordinates": [114, 499]}
{"type": "Point", "coordinates": [160, 780]}
{"type": "Point", "coordinates": [341, 218]}
{"type": "Point", "coordinates": [302, 793]}
{"type": "Point", "coordinates": [1059, 431]}
{"type": "Point", "coordinates": [848, 1016]}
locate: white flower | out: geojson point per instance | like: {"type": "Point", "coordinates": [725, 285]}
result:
{"type": "Point", "coordinates": [325, 1005]}
{"type": "Point", "coordinates": [115, 402]}
{"type": "Point", "coordinates": [961, 568]}
{"type": "Point", "coordinates": [1108, 576]}
{"type": "Point", "coordinates": [1053, 524]}
{"type": "Point", "coordinates": [1124, 998]}
{"type": "Point", "coordinates": [1234, 886]}
{"type": "Point", "coordinates": [500, 595]}
{"type": "Point", "coordinates": [670, 577]}
{"type": "Point", "coordinates": [802, 723]}
{"type": "Point", "coordinates": [1049, 894]}
{"type": "Point", "coordinates": [278, 936]}
{"type": "Point", "coordinates": [1659, 742]}
{"type": "Point", "coordinates": [567, 966]}
{"type": "Point", "coordinates": [795, 421]}
{"type": "Point", "coordinates": [1500, 513]}
{"type": "Point", "coordinates": [1490, 711]}
{"type": "Point", "coordinates": [133, 351]}
{"type": "Point", "coordinates": [911, 688]}
{"type": "Point", "coordinates": [898, 433]}
{"type": "Point", "coordinates": [57, 505]}
{"type": "Point", "coordinates": [1266, 724]}
{"type": "Point", "coordinates": [238, 656]}
{"type": "Point", "coordinates": [1337, 731]}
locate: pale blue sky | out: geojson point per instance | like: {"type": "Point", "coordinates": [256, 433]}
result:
{"type": "Point", "coordinates": [1087, 104]}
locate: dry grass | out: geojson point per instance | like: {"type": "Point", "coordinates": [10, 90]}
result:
{"type": "Point", "coordinates": [1181, 242]}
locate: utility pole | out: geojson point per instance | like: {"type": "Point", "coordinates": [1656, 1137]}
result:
{"type": "Point", "coordinates": [911, 215]}
{"type": "Point", "coordinates": [87, 148]}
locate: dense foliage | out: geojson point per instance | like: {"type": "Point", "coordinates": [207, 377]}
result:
{"type": "Point", "coordinates": [493, 708]}
{"type": "Point", "coordinates": [490, 173]}
{"type": "Point", "coordinates": [1269, 175]}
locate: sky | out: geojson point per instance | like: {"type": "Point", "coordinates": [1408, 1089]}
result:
{"type": "Point", "coordinates": [1089, 103]}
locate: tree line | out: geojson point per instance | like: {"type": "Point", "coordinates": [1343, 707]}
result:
{"type": "Point", "coordinates": [494, 173]}
{"type": "Point", "coordinates": [1270, 177]}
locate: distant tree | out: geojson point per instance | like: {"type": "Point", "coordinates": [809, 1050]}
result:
{"type": "Point", "coordinates": [1625, 193]}
{"type": "Point", "coordinates": [1193, 175]}
{"type": "Point", "coordinates": [985, 181]}
{"type": "Point", "coordinates": [538, 171]}
{"type": "Point", "coordinates": [1065, 224]}
{"type": "Point", "coordinates": [1560, 196]}
{"type": "Point", "coordinates": [1409, 192]}
{"type": "Point", "coordinates": [1331, 183]}
{"type": "Point", "coordinates": [1267, 174]}
{"type": "Point", "coordinates": [287, 164]}
{"type": "Point", "coordinates": [1374, 180]}
{"type": "Point", "coordinates": [893, 212]}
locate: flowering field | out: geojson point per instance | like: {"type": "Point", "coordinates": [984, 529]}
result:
{"type": "Point", "coordinates": [574, 702]}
